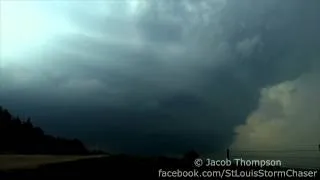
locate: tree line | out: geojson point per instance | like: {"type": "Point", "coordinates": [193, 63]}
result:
{"type": "Point", "coordinates": [22, 137]}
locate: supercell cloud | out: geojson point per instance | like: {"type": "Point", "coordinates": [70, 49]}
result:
{"type": "Point", "coordinates": [287, 119]}
{"type": "Point", "coordinates": [164, 77]}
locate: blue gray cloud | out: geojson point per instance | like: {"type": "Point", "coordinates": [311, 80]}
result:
{"type": "Point", "coordinates": [159, 76]}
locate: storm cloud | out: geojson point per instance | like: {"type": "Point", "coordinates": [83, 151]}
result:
{"type": "Point", "coordinates": [160, 77]}
{"type": "Point", "coordinates": [287, 119]}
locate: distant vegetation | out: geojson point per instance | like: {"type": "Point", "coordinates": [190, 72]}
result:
{"type": "Point", "coordinates": [21, 137]}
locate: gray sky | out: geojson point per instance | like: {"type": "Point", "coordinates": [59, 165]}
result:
{"type": "Point", "coordinates": [155, 76]}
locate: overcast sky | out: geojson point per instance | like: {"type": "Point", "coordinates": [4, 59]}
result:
{"type": "Point", "coordinates": [164, 77]}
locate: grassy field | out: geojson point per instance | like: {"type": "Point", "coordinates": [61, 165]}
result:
{"type": "Point", "coordinates": [11, 162]}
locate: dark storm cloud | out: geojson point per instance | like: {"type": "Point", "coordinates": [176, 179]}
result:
{"type": "Point", "coordinates": [177, 76]}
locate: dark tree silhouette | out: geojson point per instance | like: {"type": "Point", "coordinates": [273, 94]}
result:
{"type": "Point", "coordinates": [17, 136]}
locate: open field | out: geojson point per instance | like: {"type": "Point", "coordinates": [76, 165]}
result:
{"type": "Point", "coordinates": [111, 167]}
{"type": "Point", "coordinates": [11, 162]}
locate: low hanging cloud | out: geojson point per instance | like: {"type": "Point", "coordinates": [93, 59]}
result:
{"type": "Point", "coordinates": [173, 75]}
{"type": "Point", "coordinates": [288, 119]}
{"type": "Point", "coordinates": [246, 47]}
